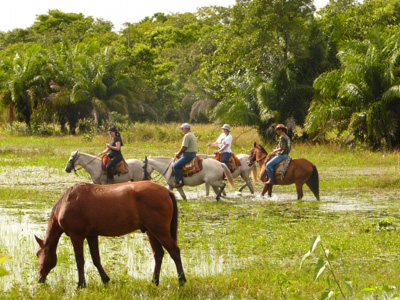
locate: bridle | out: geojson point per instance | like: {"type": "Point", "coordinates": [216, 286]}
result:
{"type": "Point", "coordinates": [158, 177]}
{"type": "Point", "coordinates": [256, 160]}
{"type": "Point", "coordinates": [81, 167]}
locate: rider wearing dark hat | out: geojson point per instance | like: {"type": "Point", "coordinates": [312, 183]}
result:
{"type": "Point", "coordinates": [282, 149]}
{"type": "Point", "coordinates": [113, 151]}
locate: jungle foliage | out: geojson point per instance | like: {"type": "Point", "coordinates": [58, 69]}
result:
{"type": "Point", "coordinates": [258, 63]}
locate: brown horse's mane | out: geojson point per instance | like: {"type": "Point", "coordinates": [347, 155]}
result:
{"type": "Point", "coordinates": [66, 194]}
{"type": "Point", "coordinates": [262, 149]}
{"type": "Point", "coordinates": [59, 201]}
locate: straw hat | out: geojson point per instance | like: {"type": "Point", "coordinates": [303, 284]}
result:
{"type": "Point", "coordinates": [226, 126]}
{"type": "Point", "coordinates": [280, 126]}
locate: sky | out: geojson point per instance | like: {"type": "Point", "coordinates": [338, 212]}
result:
{"type": "Point", "coordinates": [22, 13]}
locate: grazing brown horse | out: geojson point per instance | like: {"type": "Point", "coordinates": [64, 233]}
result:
{"type": "Point", "coordinates": [86, 211]}
{"type": "Point", "coordinates": [299, 172]}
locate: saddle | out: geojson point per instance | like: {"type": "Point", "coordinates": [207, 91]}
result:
{"type": "Point", "coordinates": [233, 162]}
{"type": "Point", "coordinates": [279, 170]}
{"type": "Point", "coordinates": [192, 167]}
{"type": "Point", "coordinates": [120, 168]}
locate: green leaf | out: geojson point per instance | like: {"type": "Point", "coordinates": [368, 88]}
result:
{"type": "Point", "coordinates": [314, 242]}
{"type": "Point", "coordinates": [3, 258]}
{"type": "Point", "coordinates": [389, 288]}
{"type": "Point", "coordinates": [327, 294]}
{"type": "Point", "coordinates": [349, 285]}
{"type": "Point", "coordinates": [395, 295]}
{"type": "Point", "coordinates": [304, 258]}
{"type": "Point", "coordinates": [319, 268]}
{"type": "Point", "coordinates": [328, 281]}
{"type": "Point", "coordinates": [3, 272]}
{"type": "Point", "coordinates": [368, 290]}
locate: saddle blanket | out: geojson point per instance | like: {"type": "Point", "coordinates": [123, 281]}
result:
{"type": "Point", "coordinates": [234, 162]}
{"type": "Point", "coordinates": [279, 170]}
{"type": "Point", "coordinates": [120, 168]}
{"type": "Point", "coordinates": [192, 167]}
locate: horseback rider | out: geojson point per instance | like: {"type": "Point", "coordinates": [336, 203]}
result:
{"type": "Point", "coordinates": [224, 143]}
{"type": "Point", "coordinates": [185, 154]}
{"type": "Point", "coordinates": [283, 149]}
{"type": "Point", "coordinates": [113, 151]}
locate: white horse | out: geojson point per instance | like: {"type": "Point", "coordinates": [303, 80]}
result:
{"type": "Point", "coordinates": [243, 170]}
{"type": "Point", "coordinates": [211, 174]}
{"type": "Point", "coordinates": [93, 165]}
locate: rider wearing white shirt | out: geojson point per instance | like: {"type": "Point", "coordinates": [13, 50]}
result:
{"type": "Point", "coordinates": [224, 143]}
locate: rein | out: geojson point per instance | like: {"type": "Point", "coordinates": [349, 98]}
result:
{"type": "Point", "coordinates": [158, 177]}
{"type": "Point", "coordinates": [257, 160]}
{"type": "Point", "coordinates": [81, 167]}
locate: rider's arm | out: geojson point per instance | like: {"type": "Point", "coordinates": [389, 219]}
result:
{"type": "Point", "coordinates": [104, 152]}
{"type": "Point", "coordinates": [223, 148]}
{"type": "Point", "coordinates": [117, 146]}
{"type": "Point", "coordinates": [278, 149]}
{"type": "Point", "coordinates": [179, 153]}
{"type": "Point", "coordinates": [212, 144]}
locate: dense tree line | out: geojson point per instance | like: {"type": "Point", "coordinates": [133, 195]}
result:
{"type": "Point", "coordinates": [258, 63]}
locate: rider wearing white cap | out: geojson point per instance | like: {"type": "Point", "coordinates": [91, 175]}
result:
{"type": "Point", "coordinates": [188, 151]}
{"type": "Point", "coordinates": [224, 143]}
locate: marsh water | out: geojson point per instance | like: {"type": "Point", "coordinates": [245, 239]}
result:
{"type": "Point", "coordinates": [21, 219]}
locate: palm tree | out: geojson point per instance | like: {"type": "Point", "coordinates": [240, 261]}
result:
{"type": "Point", "coordinates": [22, 83]}
{"type": "Point", "coordinates": [101, 82]}
{"type": "Point", "coordinates": [363, 95]}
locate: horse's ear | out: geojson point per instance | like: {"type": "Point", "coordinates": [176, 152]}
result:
{"type": "Point", "coordinates": [255, 144]}
{"type": "Point", "coordinates": [39, 241]}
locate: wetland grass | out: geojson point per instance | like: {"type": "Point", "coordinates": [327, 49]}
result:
{"type": "Point", "coordinates": [242, 247]}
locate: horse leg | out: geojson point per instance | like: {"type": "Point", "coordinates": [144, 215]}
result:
{"type": "Point", "coordinates": [170, 245]}
{"type": "Point", "coordinates": [265, 189]}
{"type": "Point", "coordinates": [219, 191]}
{"type": "Point", "coordinates": [299, 189]}
{"type": "Point", "coordinates": [207, 189]}
{"type": "Point", "coordinates": [270, 190]}
{"type": "Point", "coordinates": [246, 179]}
{"type": "Point", "coordinates": [77, 243]}
{"type": "Point", "coordinates": [183, 195]}
{"type": "Point", "coordinates": [93, 243]}
{"type": "Point", "coordinates": [158, 253]}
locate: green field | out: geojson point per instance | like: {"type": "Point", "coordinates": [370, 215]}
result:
{"type": "Point", "coordinates": [242, 247]}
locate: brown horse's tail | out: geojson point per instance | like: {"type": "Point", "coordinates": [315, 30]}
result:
{"type": "Point", "coordinates": [313, 182]}
{"type": "Point", "coordinates": [174, 222]}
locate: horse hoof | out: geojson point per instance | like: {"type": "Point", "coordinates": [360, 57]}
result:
{"type": "Point", "coordinates": [156, 280]}
{"type": "Point", "coordinates": [238, 193]}
{"type": "Point", "coordinates": [182, 280]}
{"type": "Point", "coordinates": [106, 279]}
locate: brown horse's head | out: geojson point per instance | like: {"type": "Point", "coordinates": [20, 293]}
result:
{"type": "Point", "coordinates": [47, 259]}
{"type": "Point", "coordinates": [256, 154]}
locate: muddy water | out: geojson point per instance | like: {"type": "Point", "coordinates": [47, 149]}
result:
{"type": "Point", "coordinates": [20, 220]}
